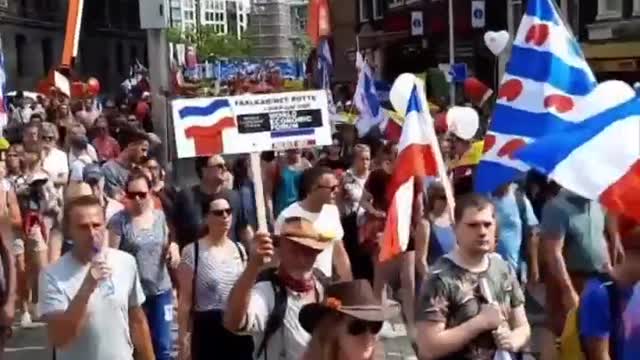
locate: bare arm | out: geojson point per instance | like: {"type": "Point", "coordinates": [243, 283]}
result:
{"type": "Point", "coordinates": [520, 329]}
{"type": "Point", "coordinates": [596, 349]}
{"type": "Point", "coordinates": [114, 240]}
{"type": "Point", "coordinates": [434, 341]}
{"type": "Point", "coordinates": [421, 238]}
{"type": "Point", "coordinates": [533, 246]}
{"type": "Point", "coordinates": [341, 261]}
{"type": "Point", "coordinates": [235, 317]}
{"type": "Point", "coordinates": [612, 235]}
{"type": "Point", "coordinates": [9, 271]}
{"type": "Point", "coordinates": [64, 327]}
{"type": "Point", "coordinates": [552, 249]}
{"type": "Point", "coordinates": [185, 280]}
{"type": "Point", "coordinates": [140, 334]}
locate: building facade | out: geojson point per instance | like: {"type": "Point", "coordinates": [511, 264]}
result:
{"type": "Point", "coordinates": [33, 38]}
{"type": "Point", "coordinates": [277, 28]}
{"type": "Point", "coordinates": [225, 16]}
{"type": "Point", "coordinates": [610, 34]}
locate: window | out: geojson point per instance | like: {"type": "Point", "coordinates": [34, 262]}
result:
{"type": "Point", "coordinates": [636, 7]}
{"type": "Point", "coordinates": [378, 9]}
{"type": "Point", "coordinates": [395, 3]}
{"type": "Point", "coordinates": [365, 9]}
{"type": "Point", "coordinates": [47, 55]}
{"type": "Point", "coordinates": [4, 4]}
{"type": "Point", "coordinates": [609, 9]}
{"type": "Point", "coordinates": [21, 43]}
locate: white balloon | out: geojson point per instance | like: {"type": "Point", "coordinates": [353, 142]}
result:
{"type": "Point", "coordinates": [496, 41]}
{"type": "Point", "coordinates": [401, 91]}
{"type": "Point", "coordinates": [463, 122]}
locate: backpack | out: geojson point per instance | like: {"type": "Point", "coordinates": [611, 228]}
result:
{"type": "Point", "coordinates": [570, 341]}
{"type": "Point", "coordinates": [276, 317]}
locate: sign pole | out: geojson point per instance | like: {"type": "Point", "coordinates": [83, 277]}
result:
{"type": "Point", "coordinates": [452, 55]}
{"type": "Point", "coordinates": [261, 210]}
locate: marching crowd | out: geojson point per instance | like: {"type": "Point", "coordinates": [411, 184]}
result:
{"type": "Point", "coordinates": [101, 245]}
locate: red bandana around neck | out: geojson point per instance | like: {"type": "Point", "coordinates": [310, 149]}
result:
{"type": "Point", "coordinates": [293, 284]}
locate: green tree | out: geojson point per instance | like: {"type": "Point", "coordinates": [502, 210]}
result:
{"type": "Point", "coordinates": [211, 45]}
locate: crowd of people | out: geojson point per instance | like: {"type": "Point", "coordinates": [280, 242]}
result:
{"type": "Point", "coordinates": [114, 253]}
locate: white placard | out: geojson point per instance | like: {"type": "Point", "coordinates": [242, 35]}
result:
{"type": "Point", "coordinates": [251, 123]}
{"type": "Point", "coordinates": [417, 23]}
{"type": "Point", "coordinates": [478, 14]}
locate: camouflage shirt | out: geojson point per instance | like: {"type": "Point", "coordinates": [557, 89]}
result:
{"type": "Point", "coordinates": [451, 294]}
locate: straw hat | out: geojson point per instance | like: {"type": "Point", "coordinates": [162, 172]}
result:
{"type": "Point", "coordinates": [302, 231]}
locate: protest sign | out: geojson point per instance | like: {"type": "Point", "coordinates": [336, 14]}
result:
{"type": "Point", "coordinates": [251, 123]}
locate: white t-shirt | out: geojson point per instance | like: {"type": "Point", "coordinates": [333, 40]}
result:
{"type": "Point", "coordinates": [59, 284]}
{"type": "Point", "coordinates": [326, 222]}
{"type": "Point", "coordinates": [56, 163]}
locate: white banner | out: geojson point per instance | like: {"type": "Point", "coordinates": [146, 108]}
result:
{"type": "Point", "coordinates": [251, 123]}
{"type": "Point", "coordinates": [478, 14]}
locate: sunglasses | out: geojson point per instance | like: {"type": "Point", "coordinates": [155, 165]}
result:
{"type": "Point", "coordinates": [48, 138]}
{"type": "Point", "coordinates": [220, 212]}
{"type": "Point", "coordinates": [137, 195]}
{"type": "Point", "coordinates": [359, 327]}
{"type": "Point", "coordinates": [333, 188]}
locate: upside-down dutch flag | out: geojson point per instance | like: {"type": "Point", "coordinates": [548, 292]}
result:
{"type": "Point", "coordinates": [545, 77]}
{"type": "Point", "coordinates": [366, 98]}
{"type": "Point", "coordinates": [599, 158]}
{"type": "Point", "coordinates": [416, 159]}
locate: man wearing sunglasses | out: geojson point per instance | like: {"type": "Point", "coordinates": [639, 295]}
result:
{"type": "Point", "coordinates": [319, 190]}
{"type": "Point", "coordinates": [190, 203]}
{"type": "Point", "coordinates": [471, 304]}
{"type": "Point", "coordinates": [116, 171]}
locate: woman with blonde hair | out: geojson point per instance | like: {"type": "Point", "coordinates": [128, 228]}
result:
{"type": "Point", "coordinates": [346, 324]}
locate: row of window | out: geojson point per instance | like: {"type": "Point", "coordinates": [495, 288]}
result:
{"type": "Point", "coordinates": [612, 9]}
{"type": "Point", "coordinates": [374, 9]}
{"type": "Point", "coordinates": [22, 54]}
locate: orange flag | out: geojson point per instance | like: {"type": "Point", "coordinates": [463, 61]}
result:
{"type": "Point", "coordinates": [319, 21]}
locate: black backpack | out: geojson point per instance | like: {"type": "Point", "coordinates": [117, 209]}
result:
{"type": "Point", "coordinates": [276, 318]}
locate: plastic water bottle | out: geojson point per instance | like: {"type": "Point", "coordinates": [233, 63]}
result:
{"type": "Point", "coordinates": [106, 286]}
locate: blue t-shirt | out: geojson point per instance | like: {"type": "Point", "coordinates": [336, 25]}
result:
{"type": "Point", "coordinates": [595, 318]}
{"type": "Point", "coordinates": [510, 226]}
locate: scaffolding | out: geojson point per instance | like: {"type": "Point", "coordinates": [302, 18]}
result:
{"type": "Point", "coordinates": [274, 27]}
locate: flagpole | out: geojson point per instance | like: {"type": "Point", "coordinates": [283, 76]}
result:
{"type": "Point", "coordinates": [452, 55]}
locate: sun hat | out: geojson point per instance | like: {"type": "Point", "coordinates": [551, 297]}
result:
{"type": "Point", "coordinates": [354, 298]}
{"type": "Point", "coordinates": [302, 231]}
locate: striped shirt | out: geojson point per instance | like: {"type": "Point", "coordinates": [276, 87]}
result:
{"type": "Point", "coordinates": [216, 275]}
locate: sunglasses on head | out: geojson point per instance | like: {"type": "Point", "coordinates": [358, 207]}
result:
{"type": "Point", "coordinates": [220, 212]}
{"type": "Point", "coordinates": [359, 327]}
{"type": "Point", "coordinates": [137, 195]}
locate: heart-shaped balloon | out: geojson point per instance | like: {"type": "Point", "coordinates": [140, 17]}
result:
{"type": "Point", "coordinates": [463, 122]}
{"type": "Point", "coordinates": [401, 91]}
{"type": "Point", "coordinates": [496, 41]}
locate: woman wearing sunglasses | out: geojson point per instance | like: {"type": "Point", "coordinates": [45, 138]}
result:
{"type": "Point", "coordinates": [142, 231]}
{"type": "Point", "coordinates": [209, 269]}
{"type": "Point", "coordinates": [346, 324]}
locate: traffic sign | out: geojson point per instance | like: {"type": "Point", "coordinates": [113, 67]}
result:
{"type": "Point", "coordinates": [478, 14]}
{"type": "Point", "coordinates": [417, 23]}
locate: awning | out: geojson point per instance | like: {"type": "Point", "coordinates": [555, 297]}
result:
{"type": "Point", "coordinates": [612, 50]}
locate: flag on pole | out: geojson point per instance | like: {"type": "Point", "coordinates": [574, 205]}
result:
{"type": "Point", "coordinates": [415, 160]}
{"type": "Point", "coordinates": [319, 21]}
{"type": "Point", "coordinates": [325, 64]}
{"type": "Point", "coordinates": [72, 32]}
{"type": "Point", "coordinates": [366, 98]}
{"type": "Point", "coordinates": [545, 77]}
{"type": "Point", "coordinates": [599, 158]}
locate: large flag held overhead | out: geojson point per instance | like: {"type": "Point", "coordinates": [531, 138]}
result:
{"type": "Point", "coordinates": [366, 98]}
{"type": "Point", "coordinates": [545, 77]}
{"type": "Point", "coordinates": [599, 158]}
{"type": "Point", "coordinates": [415, 159]}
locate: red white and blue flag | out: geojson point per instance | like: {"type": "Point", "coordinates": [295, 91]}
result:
{"type": "Point", "coordinates": [416, 159]}
{"type": "Point", "coordinates": [200, 123]}
{"type": "Point", "coordinates": [547, 75]}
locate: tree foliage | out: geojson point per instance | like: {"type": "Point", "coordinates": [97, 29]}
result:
{"type": "Point", "coordinates": [210, 44]}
